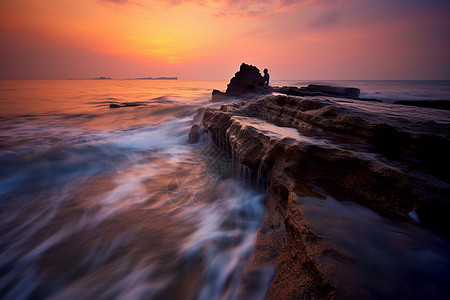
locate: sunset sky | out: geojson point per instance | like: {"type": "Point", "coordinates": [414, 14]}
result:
{"type": "Point", "coordinates": [201, 39]}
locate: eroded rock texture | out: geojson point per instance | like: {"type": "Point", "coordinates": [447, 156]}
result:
{"type": "Point", "coordinates": [389, 159]}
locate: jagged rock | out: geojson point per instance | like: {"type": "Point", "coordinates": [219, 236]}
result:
{"type": "Point", "coordinates": [389, 159]}
{"type": "Point", "coordinates": [194, 134]}
{"type": "Point", "coordinates": [198, 116]}
{"type": "Point", "coordinates": [218, 96]}
{"type": "Point", "coordinates": [246, 83]}
{"type": "Point", "coordinates": [319, 90]}
{"type": "Point", "coordinates": [293, 91]}
{"type": "Point", "coordinates": [415, 137]}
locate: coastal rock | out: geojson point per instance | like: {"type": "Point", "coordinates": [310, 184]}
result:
{"type": "Point", "coordinates": [194, 134]}
{"type": "Point", "coordinates": [218, 96]}
{"type": "Point", "coordinates": [246, 83]}
{"type": "Point", "coordinates": [387, 159]}
{"type": "Point", "coordinates": [126, 104]}
{"type": "Point", "coordinates": [412, 137]}
{"type": "Point", "coordinates": [319, 90]}
{"type": "Point", "coordinates": [349, 92]}
{"type": "Point", "coordinates": [293, 91]}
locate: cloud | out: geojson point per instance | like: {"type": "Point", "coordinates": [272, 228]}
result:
{"type": "Point", "coordinates": [256, 8]}
{"type": "Point", "coordinates": [117, 2]}
{"type": "Point", "coordinates": [122, 3]}
{"type": "Point", "coordinates": [325, 20]}
{"type": "Point", "coordinates": [238, 8]}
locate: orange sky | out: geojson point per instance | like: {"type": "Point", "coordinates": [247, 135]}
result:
{"type": "Point", "coordinates": [201, 39]}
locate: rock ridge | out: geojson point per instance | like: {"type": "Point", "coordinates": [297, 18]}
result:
{"type": "Point", "coordinates": [371, 153]}
{"type": "Point", "coordinates": [319, 90]}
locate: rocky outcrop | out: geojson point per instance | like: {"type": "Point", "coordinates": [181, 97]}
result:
{"type": "Point", "coordinates": [246, 83]}
{"type": "Point", "coordinates": [352, 93]}
{"type": "Point", "coordinates": [194, 134]}
{"type": "Point", "coordinates": [127, 104]}
{"type": "Point", "coordinates": [387, 159]}
{"type": "Point", "coordinates": [319, 90]}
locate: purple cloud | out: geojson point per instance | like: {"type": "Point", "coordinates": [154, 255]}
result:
{"type": "Point", "coordinates": [257, 8]}
{"type": "Point", "coordinates": [325, 20]}
{"type": "Point", "coordinates": [251, 8]}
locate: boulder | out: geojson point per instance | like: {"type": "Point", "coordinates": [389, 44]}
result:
{"type": "Point", "coordinates": [194, 134]}
{"type": "Point", "coordinates": [246, 83]}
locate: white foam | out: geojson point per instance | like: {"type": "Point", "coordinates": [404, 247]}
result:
{"type": "Point", "coordinates": [225, 237]}
{"type": "Point", "coordinates": [413, 215]}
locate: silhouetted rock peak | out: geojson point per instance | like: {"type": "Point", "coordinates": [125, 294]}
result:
{"type": "Point", "coordinates": [247, 80]}
{"type": "Point", "coordinates": [246, 83]}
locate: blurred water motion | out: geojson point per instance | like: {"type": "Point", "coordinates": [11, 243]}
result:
{"type": "Point", "coordinates": [104, 203]}
{"type": "Point", "coordinates": [101, 203]}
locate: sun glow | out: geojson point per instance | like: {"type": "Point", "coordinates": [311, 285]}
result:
{"type": "Point", "coordinates": [157, 32]}
{"type": "Point", "coordinates": [299, 39]}
{"type": "Point", "coordinates": [173, 36]}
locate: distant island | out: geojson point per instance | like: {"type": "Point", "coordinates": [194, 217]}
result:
{"type": "Point", "coordinates": [102, 78]}
{"type": "Point", "coordinates": [153, 78]}
{"type": "Point", "coordinates": [137, 78]}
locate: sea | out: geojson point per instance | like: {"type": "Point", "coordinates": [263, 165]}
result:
{"type": "Point", "coordinates": [115, 203]}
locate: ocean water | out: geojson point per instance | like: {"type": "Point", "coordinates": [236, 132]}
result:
{"type": "Point", "coordinates": [114, 203]}
{"type": "Point", "coordinates": [101, 203]}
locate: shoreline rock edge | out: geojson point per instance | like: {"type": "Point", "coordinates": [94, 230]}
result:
{"type": "Point", "coordinates": [409, 178]}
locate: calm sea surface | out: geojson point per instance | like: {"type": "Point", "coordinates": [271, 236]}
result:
{"type": "Point", "coordinates": [103, 203]}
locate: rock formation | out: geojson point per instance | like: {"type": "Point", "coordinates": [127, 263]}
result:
{"type": "Point", "coordinates": [194, 134]}
{"type": "Point", "coordinates": [372, 153]}
{"type": "Point", "coordinates": [246, 83]}
{"type": "Point", "coordinates": [319, 90]}
{"type": "Point", "coordinates": [126, 104]}
{"type": "Point", "coordinates": [352, 93]}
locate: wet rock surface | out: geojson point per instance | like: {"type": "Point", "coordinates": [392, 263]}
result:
{"type": "Point", "coordinates": [194, 134]}
{"type": "Point", "coordinates": [388, 159]}
{"type": "Point", "coordinates": [437, 104]}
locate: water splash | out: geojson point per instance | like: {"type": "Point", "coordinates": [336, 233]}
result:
{"type": "Point", "coordinates": [119, 213]}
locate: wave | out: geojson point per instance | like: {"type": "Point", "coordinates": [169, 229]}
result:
{"type": "Point", "coordinates": [102, 213]}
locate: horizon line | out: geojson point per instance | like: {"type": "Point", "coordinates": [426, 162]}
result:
{"type": "Point", "coordinates": [162, 78]}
